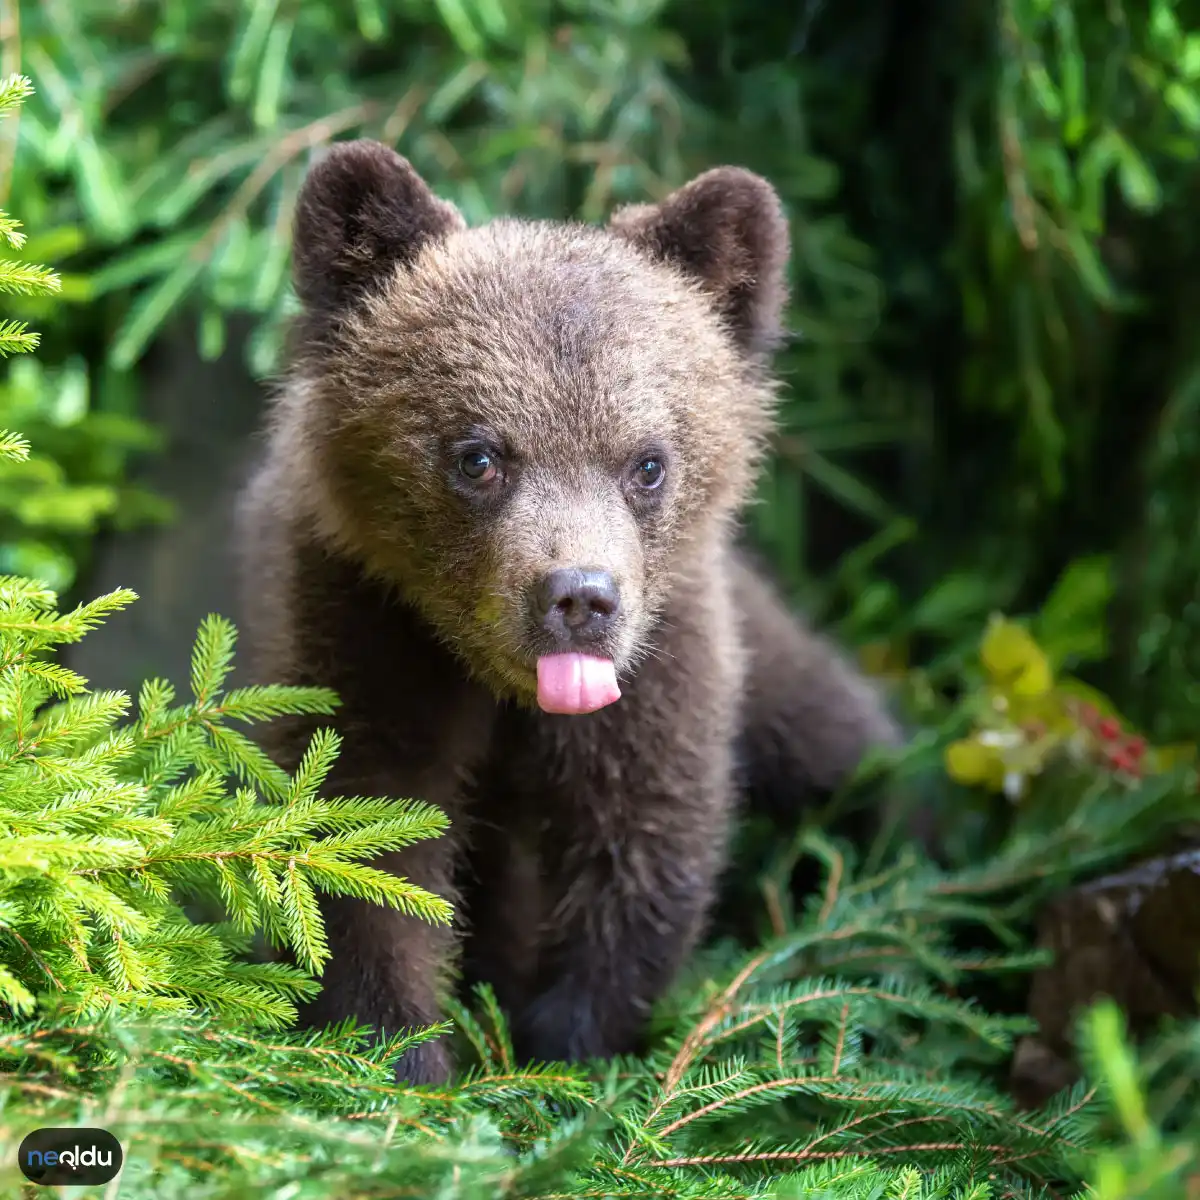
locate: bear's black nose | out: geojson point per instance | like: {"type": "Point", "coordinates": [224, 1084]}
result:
{"type": "Point", "coordinates": [577, 604]}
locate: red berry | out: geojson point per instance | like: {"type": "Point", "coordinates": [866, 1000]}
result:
{"type": "Point", "coordinates": [1109, 729]}
{"type": "Point", "coordinates": [1135, 747]}
{"type": "Point", "coordinates": [1119, 759]}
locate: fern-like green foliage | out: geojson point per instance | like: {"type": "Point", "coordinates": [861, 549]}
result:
{"type": "Point", "coordinates": [767, 1076]}
{"type": "Point", "coordinates": [108, 825]}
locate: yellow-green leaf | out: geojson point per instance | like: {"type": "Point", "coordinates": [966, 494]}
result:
{"type": "Point", "coordinates": [1014, 660]}
{"type": "Point", "coordinates": [974, 765]}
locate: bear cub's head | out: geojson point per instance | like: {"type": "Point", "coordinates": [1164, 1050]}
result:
{"type": "Point", "coordinates": [534, 430]}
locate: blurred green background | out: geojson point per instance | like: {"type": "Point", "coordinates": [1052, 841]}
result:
{"type": "Point", "coordinates": [995, 369]}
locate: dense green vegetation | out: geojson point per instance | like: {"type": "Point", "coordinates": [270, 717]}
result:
{"type": "Point", "coordinates": [991, 406]}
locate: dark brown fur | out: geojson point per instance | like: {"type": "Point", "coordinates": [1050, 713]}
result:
{"type": "Point", "coordinates": [590, 845]}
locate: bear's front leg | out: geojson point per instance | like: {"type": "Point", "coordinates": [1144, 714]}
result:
{"type": "Point", "coordinates": [632, 896]}
{"type": "Point", "coordinates": [412, 727]}
{"type": "Point", "coordinates": [636, 804]}
{"type": "Point", "coordinates": [386, 968]}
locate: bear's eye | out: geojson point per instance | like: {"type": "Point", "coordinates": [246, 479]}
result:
{"type": "Point", "coordinates": [477, 466]}
{"type": "Point", "coordinates": [649, 473]}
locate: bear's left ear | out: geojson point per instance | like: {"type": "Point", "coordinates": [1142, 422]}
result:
{"type": "Point", "coordinates": [727, 230]}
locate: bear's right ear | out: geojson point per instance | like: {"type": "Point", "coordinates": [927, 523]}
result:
{"type": "Point", "coordinates": [361, 212]}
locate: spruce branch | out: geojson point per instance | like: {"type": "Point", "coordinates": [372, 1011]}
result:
{"type": "Point", "coordinates": [113, 822]}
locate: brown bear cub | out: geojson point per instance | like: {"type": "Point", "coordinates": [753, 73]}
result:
{"type": "Point", "coordinates": [497, 515]}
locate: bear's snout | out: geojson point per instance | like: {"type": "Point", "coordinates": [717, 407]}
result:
{"type": "Point", "coordinates": [576, 605]}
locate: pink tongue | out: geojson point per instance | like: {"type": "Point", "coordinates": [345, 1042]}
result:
{"type": "Point", "coordinates": [575, 683]}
